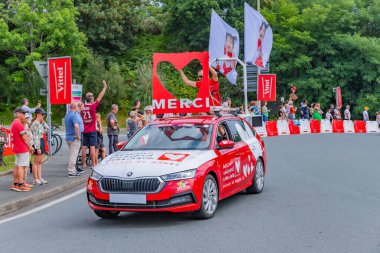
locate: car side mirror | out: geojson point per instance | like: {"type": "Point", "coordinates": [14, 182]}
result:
{"type": "Point", "coordinates": [120, 145]}
{"type": "Point", "coordinates": [226, 144]}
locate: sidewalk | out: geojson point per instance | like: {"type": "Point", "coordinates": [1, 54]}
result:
{"type": "Point", "coordinates": [54, 171]}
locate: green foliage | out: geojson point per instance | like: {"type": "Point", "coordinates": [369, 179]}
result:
{"type": "Point", "coordinates": [110, 26]}
{"type": "Point", "coordinates": [34, 30]}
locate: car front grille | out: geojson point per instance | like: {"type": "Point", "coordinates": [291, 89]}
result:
{"type": "Point", "coordinates": [137, 185]}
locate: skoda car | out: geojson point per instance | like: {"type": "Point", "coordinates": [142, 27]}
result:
{"type": "Point", "coordinates": [185, 164]}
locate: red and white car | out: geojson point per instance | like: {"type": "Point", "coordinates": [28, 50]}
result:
{"type": "Point", "coordinates": [184, 164]}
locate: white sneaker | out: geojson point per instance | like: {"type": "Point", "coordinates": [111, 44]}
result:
{"type": "Point", "coordinates": [43, 181]}
{"type": "Point", "coordinates": [37, 182]}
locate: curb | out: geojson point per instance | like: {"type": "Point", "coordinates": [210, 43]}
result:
{"type": "Point", "coordinates": [5, 173]}
{"type": "Point", "coordinates": [18, 204]}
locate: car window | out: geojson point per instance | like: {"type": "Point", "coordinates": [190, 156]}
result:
{"type": "Point", "coordinates": [249, 130]}
{"type": "Point", "coordinates": [165, 137]}
{"type": "Point", "coordinates": [233, 126]}
{"type": "Point", "coordinates": [222, 133]}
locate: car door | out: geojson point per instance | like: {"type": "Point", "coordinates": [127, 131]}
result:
{"type": "Point", "coordinates": [228, 161]}
{"type": "Point", "coordinates": [241, 152]}
{"type": "Point", "coordinates": [254, 150]}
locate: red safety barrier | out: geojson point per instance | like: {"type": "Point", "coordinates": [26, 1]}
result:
{"type": "Point", "coordinates": [315, 126]}
{"type": "Point", "coordinates": [337, 126]}
{"type": "Point", "coordinates": [360, 126]}
{"type": "Point", "coordinates": [294, 129]}
{"type": "Point", "coordinates": [8, 148]}
{"type": "Point", "coordinates": [271, 127]}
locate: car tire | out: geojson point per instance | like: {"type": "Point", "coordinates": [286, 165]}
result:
{"type": "Point", "coordinates": [258, 179]}
{"type": "Point", "coordinates": [209, 200]}
{"type": "Point", "coordinates": [106, 214]}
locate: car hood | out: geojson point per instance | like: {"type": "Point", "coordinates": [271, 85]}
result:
{"type": "Point", "coordinates": [152, 163]}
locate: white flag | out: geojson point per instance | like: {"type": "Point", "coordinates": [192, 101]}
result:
{"type": "Point", "coordinates": [224, 43]}
{"type": "Point", "coordinates": [258, 37]}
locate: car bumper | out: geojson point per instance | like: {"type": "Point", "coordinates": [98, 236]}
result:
{"type": "Point", "coordinates": [169, 199]}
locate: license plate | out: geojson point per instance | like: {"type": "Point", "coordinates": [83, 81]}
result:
{"type": "Point", "coordinates": [128, 198]}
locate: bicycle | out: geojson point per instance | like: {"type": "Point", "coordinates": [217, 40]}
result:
{"type": "Point", "coordinates": [56, 142]}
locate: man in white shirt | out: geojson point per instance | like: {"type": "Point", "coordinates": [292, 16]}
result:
{"type": "Point", "coordinates": [347, 113]}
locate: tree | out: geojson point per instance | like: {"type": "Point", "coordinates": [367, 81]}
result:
{"type": "Point", "coordinates": [33, 30]}
{"type": "Point", "coordinates": [111, 26]}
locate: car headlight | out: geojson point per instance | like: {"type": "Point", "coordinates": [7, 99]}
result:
{"type": "Point", "coordinates": [95, 175]}
{"type": "Point", "coordinates": [179, 175]}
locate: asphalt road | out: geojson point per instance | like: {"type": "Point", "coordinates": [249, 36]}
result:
{"type": "Point", "coordinates": [322, 194]}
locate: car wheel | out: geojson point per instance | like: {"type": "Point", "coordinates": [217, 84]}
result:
{"type": "Point", "coordinates": [210, 196]}
{"type": "Point", "coordinates": [258, 180]}
{"type": "Point", "coordinates": [106, 214]}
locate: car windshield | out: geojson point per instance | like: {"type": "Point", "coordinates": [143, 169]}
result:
{"type": "Point", "coordinates": [167, 137]}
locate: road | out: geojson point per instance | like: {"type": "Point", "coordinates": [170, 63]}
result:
{"type": "Point", "coordinates": [322, 194]}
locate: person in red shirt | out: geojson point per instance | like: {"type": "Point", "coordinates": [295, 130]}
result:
{"type": "Point", "coordinates": [22, 149]}
{"type": "Point", "coordinates": [215, 98]}
{"type": "Point", "coordinates": [90, 136]}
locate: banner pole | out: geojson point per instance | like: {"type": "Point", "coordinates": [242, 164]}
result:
{"type": "Point", "coordinates": [48, 108]}
{"type": "Point", "coordinates": [258, 69]}
{"type": "Point", "coordinates": [245, 88]}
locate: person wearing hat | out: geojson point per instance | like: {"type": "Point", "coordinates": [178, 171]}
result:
{"type": "Point", "coordinates": [38, 128]}
{"type": "Point", "coordinates": [22, 149]}
{"type": "Point", "coordinates": [365, 113]}
{"type": "Point", "coordinates": [148, 115]}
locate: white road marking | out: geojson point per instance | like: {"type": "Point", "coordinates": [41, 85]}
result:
{"type": "Point", "coordinates": [47, 205]}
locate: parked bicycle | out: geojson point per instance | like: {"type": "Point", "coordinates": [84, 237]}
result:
{"type": "Point", "coordinates": [56, 141]}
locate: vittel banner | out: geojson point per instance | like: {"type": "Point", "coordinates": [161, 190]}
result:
{"type": "Point", "coordinates": [60, 80]}
{"type": "Point", "coordinates": [266, 88]}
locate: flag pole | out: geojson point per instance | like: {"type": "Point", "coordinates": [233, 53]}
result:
{"type": "Point", "coordinates": [258, 69]}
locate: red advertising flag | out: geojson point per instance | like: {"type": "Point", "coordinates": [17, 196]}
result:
{"type": "Point", "coordinates": [338, 96]}
{"type": "Point", "coordinates": [60, 80]}
{"type": "Point", "coordinates": [266, 87]}
{"type": "Point", "coordinates": [165, 102]}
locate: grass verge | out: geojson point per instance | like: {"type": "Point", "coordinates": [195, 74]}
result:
{"type": "Point", "coordinates": [8, 164]}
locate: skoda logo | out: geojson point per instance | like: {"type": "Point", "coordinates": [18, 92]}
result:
{"type": "Point", "coordinates": [129, 173]}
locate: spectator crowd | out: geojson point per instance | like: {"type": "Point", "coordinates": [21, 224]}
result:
{"type": "Point", "coordinates": [287, 110]}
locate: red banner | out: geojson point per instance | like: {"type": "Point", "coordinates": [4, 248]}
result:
{"type": "Point", "coordinates": [266, 87]}
{"type": "Point", "coordinates": [8, 146]}
{"type": "Point", "coordinates": [60, 80]}
{"type": "Point", "coordinates": [164, 102]}
{"type": "Point", "coordinates": [338, 96]}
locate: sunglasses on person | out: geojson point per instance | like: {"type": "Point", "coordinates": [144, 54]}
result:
{"type": "Point", "coordinates": [200, 76]}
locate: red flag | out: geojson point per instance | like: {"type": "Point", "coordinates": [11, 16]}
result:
{"type": "Point", "coordinates": [266, 87]}
{"type": "Point", "coordinates": [338, 96]}
{"type": "Point", "coordinates": [60, 80]}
